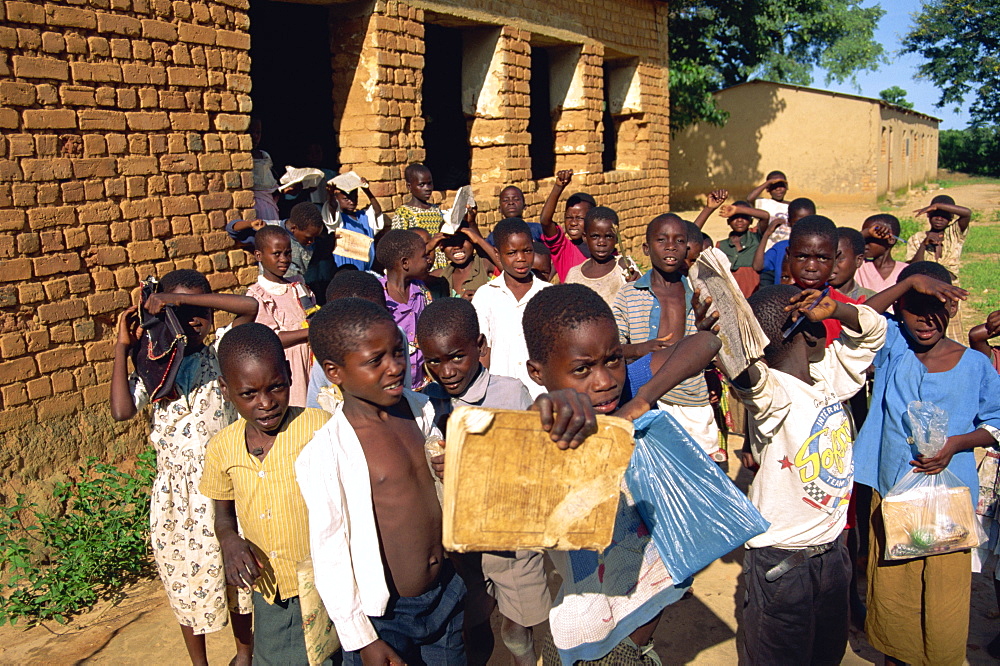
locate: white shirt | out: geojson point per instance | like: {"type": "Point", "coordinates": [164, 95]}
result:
{"type": "Point", "coordinates": [332, 472]}
{"type": "Point", "coordinates": [500, 315]}
{"type": "Point", "coordinates": [778, 210]}
{"type": "Point", "coordinates": [803, 440]}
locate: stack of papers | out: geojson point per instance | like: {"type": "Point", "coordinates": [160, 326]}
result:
{"type": "Point", "coordinates": [742, 338]}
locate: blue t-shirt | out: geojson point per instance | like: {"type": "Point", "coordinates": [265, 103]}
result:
{"type": "Point", "coordinates": [534, 227]}
{"type": "Point", "coordinates": [773, 259]}
{"type": "Point", "coordinates": [969, 392]}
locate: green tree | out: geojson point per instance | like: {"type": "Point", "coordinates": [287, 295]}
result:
{"type": "Point", "coordinates": [719, 43]}
{"type": "Point", "coordinates": [895, 95]}
{"type": "Point", "coordinates": [960, 40]}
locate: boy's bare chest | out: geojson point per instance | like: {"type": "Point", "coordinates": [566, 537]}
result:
{"type": "Point", "coordinates": [395, 454]}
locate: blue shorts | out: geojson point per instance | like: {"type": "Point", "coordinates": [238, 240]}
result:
{"type": "Point", "coordinates": [426, 629]}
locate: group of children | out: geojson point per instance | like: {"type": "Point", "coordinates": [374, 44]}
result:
{"type": "Point", "coordinates": [295, 453]}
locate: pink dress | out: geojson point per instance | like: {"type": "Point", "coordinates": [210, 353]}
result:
{"type": "Point", "coordinates": [869, 277]}
{"type": "Point", "coordinates": [565, 255]}
{"type": "Point", "coordinates": [283, 307]}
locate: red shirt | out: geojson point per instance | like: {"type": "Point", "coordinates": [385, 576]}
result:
{"type": "Point", "coordinates": [833, 326]}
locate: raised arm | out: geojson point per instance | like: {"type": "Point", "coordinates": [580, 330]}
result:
{"type": "Point", "coordinates": [715, 198]}
{"type": "Point", "coordinates": [673, 365]}
{"type": "Point", "coordinates": [737, 209]}
{"type": "Point", "coordinates": [122, 404]}
{"type": "Point", "coordinates": [758, 255]}
{"type": "Point", "coordinates": [979, 335]}
{"type": "Point", "coordinates": [477, 239]}
{"type": "Point", "coordinates": [923, 284]}
{"type": "Point", "coordinates": [563, 178]}
{"type": "Point", "coordinates": [244, 307]}
{"type": "Point", "coordinates": [759, 190]}
{"type": "Point", "coordinates": [372, 199]}
{"type": "Point", "coordinates": [963, 214]}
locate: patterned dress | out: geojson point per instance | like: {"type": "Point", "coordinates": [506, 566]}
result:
{"type": "Point", "coordinates": [428, 219]}
{"type": "Point", "coordinates": [182, 520]}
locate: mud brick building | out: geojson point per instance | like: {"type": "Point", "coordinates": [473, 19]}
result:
{"type": "Point", "coordinates": [123, 152]}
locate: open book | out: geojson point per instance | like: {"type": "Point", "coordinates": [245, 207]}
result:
{"type": "Point", "coordinates": [346, 182]}
{"type": "Point", "coordinates": [742, 338]}
{"type": "Point", "coordinates": [308, 178]}
{"type": "Point", "coordinates": [507, 486]}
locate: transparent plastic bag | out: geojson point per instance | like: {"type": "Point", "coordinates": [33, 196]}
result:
{"type": "Point", "coordinates": [694, 513]}
{"type": "Point", "coordinates": [929, 514]}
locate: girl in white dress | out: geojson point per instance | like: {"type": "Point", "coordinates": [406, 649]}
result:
{"type": "Point", "coordinates": [182, 520]}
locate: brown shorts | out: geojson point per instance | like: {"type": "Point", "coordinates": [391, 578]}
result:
{"type": "Point", "coordinates": [918, 610]}
{"type": "Point", "coordinates": [519, 585]}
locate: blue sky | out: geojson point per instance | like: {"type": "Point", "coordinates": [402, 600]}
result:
{"type": "Point", "coordinates": [901, 70]}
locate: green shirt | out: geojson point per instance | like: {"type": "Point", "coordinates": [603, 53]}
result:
{"type": "Point", "coordinates": [742, 258]}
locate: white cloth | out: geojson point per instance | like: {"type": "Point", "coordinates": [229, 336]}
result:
{"type": "Point", "coordinates": [778, 210]}
{"type": "Point", "coordinates": [802, 439]}
{"type": "Point", "coordinates": [500, 315]}
{"type": "Point", "coordinates": [343, 537]}
{"type": "Point", "coordinates": [698, 421]}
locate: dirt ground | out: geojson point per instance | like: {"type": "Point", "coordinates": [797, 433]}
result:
{"type": "Point", "coordinates": [700, 630]}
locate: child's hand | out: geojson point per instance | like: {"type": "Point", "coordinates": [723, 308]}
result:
{"type": "Point", "coordinates": [944, 292]}
{"type": "Point", "coordinates": [993, 324]}
{"type": "Point", "coordinates": [926, 210]}
{"type": "Point", "coordinates": [364, 184]}
{"type": "Point", "coordinates": [257, 225]}
{"type": "Point", "coordinates": [938, 463]}
{"type": "Point", "coordinates": [655, 344]}
{"type": "Point", "coordinates": [470, 214]}
{"type": "Point", "coordinates": [702, 319]}
{"type": "Point", "coordinates": [773, 180]}
{"type": "Point", "coordinates": [156, 302]}
{"type": "Point", "coordinates": [933, 238]}
{"type": "Point", "coordinates": [879, 230]}
{"type": "Point", "coordinates": [379, 653]}
{"type": "Point", "coordinates": [567, 416]}
{"type": "Point", "coordinates": [812, 304]}
{"type": "Point", "coordinates": [746, 458]}
{"type": "Point", "coordinates": [727, 211]}
{"type": "Point", "coordinates": [128, 327]}
{"type": "Point", "coordinates": [717, 197]}
{"type": "Point", "coordinates": [437, 464]}
{"type": "Point", "coordinates": [241, 565]}
{"type": "Point", "coordinates": [564, 177]}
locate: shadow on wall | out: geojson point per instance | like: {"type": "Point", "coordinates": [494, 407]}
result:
{"type": "Point", "coordinates": [704, 157]}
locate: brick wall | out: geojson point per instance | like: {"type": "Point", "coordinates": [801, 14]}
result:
{"type": "Point", "coordinates": [122, 154]}
{"type": "Point", "coordinates": [378, 73]}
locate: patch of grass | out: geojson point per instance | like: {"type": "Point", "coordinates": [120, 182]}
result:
{"type": "Point", "coordinates": [984, 239]}
{"type": "Point", "coordinates": [974, 180]}
{"type": "Point", "coordinates": [909, 226]}
{"type": "Point", "coordinates": [979, 277]}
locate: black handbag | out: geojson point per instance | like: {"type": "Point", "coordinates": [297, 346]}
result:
{"type": "Point", "coordinates": [158, 356]}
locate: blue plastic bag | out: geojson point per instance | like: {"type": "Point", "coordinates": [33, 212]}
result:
{"type": "Point", "coordinates": [694, 513]}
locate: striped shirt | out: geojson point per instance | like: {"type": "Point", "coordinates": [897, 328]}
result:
{"type": "Point", "coordinates": [270, 508]}
{"type": "Point", "coordinates": [637, 313]}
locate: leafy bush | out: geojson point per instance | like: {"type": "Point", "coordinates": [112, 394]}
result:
{"type": "Point", "coordinates": [58, 565]}
{"type": "Point", "coordinates": [975, 150]}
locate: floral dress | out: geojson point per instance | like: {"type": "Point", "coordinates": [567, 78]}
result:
{"type": "Point", "coordinates": [182, 520]}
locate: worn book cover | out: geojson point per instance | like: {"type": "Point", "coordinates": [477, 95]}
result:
{"type": "Point", "coordinates": [508, 486]}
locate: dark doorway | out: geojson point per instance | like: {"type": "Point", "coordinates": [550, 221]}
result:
{"type": "Point", "coordinates": [446, 129]}
{"type": "Point", "coordinates": [292, 82]}
{"type": "Point", "coordinates": [542, 149]}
